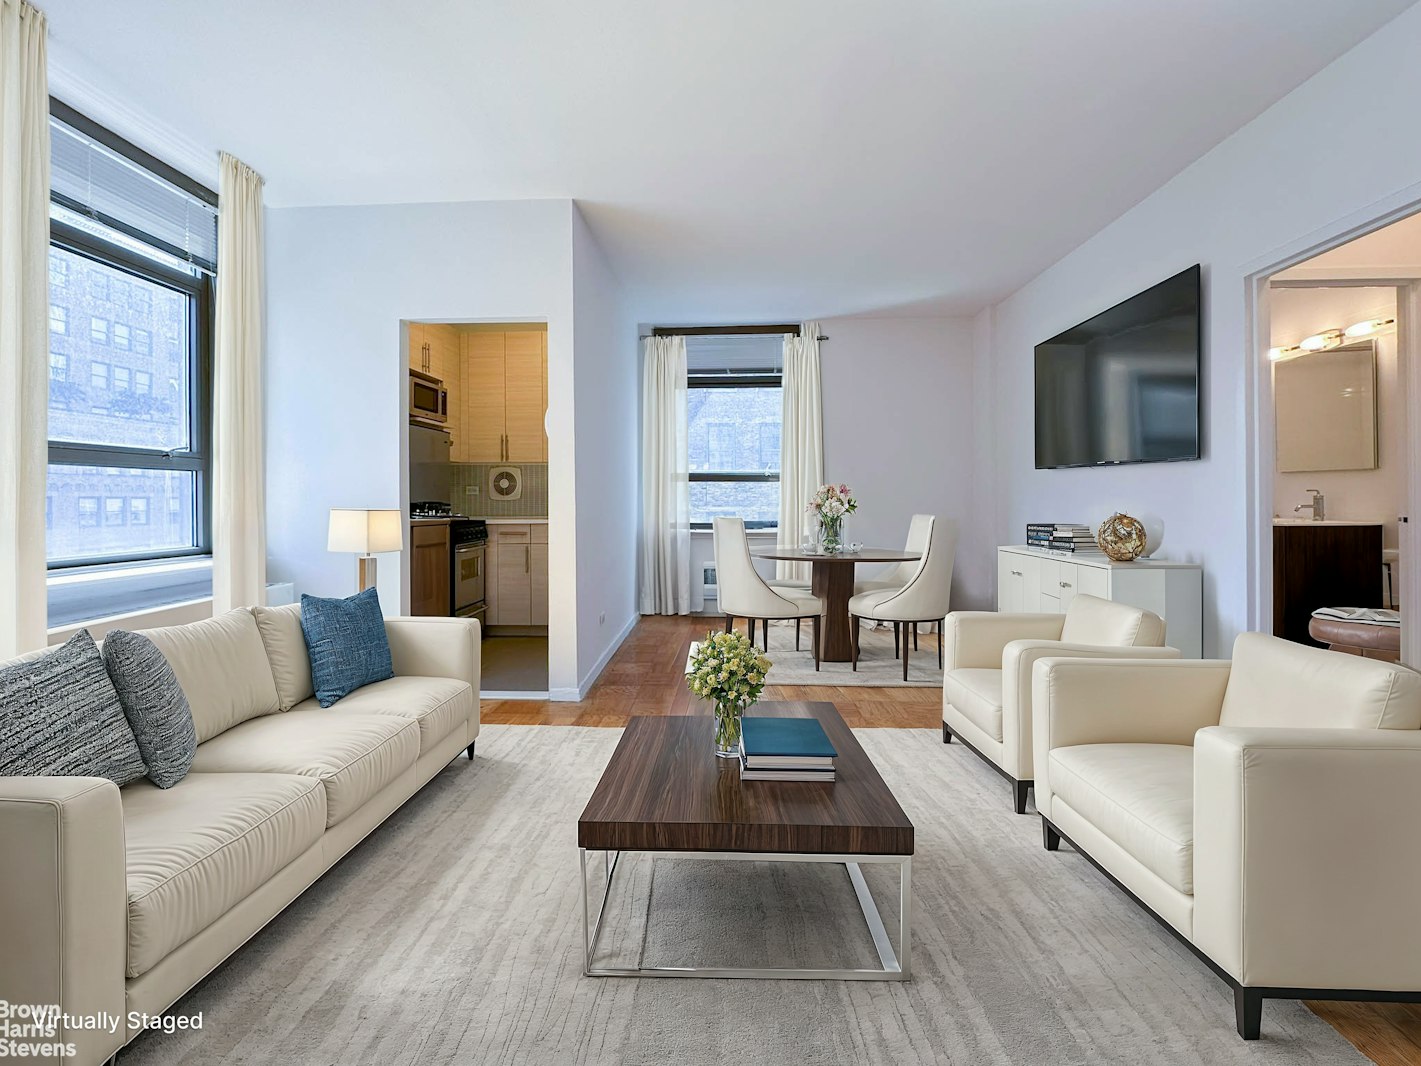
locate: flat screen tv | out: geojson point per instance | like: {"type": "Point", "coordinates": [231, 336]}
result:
{"type": "Point", "coordinates": [1123, 387]}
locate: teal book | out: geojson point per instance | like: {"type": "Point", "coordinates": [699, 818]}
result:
{"type": "Point", "coordinates": [784, 737]}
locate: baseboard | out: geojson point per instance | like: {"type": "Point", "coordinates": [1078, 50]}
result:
{"type": "Point", "coordinates": [573, 695]}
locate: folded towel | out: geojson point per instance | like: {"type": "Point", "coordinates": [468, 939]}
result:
{"type": "Point", "coordinates": [1372, 616]}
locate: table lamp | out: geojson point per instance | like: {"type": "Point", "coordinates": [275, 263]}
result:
{"type": "Point", "coordinates": [364, 533]}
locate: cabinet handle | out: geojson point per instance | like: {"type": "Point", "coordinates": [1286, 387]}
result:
{"type": "Point", "coordinates": [1064, 584]}
{"type": "Point", "coordinates": [1016, 573]}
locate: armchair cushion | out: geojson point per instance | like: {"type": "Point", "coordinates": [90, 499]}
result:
{"type": "Point", "coordinates": [977, 696]}
{"type": "Point", "coordinates": [1092, 620]}
{"type": "Point", "coordinates": [1141, 796]}
{"type": "Point", "coordinates": [976, 639]}
{"type": "Point", "coordinates": [1279, 683]}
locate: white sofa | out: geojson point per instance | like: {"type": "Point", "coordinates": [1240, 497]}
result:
{"type": "Point", "coordinates": [1264, 809]}
{"type": "Point", "coordinates": [120, 900]}
{"type": "Point", "coordinates": [986, 684]}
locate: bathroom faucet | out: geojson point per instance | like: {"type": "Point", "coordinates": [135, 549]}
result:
{"type": "Point", "coordinates": [1317, 507]}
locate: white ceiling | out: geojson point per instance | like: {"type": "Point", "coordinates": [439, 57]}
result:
{"type": "Point", "coordinates": [738, 159]}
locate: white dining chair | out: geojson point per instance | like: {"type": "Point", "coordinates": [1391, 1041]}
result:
{"type": "Point", "coordinates": [901, 574]}
{"type": "Point", "coordinates": [925, 598]}
{"type": "Point", "coordinates": [745, 594]}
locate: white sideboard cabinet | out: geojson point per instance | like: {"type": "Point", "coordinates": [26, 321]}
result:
{"type": "Point", "coordinates": [1040, 582]}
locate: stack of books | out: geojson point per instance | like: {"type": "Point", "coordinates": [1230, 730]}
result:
{"type": "Point", "coordinates": [785, 749]}
{"type": "Point", "coordinates": [1067, 538]}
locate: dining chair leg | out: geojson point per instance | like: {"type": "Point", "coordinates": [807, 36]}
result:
{"type": "Point", "coordinates": [750, 629]}
{"type": "Point", "coordinates": [817, 623]}
{"type": "Point", "coordinates": [854, 640]}
{"type": "Point", "coordinates": [940, 626]}
{"type": "Point", "coordinates": [915, 636]}
{"type": "Point", "coordinates": [905, 654]}
{"type": "Point", "coordinates": [798, 624]}
{"type": "Point", "coordinates": [729, 621]}
{"type": "Point", "coordinates": [765, 633]}
{"type": "Point", "coordinates": [895, 640]}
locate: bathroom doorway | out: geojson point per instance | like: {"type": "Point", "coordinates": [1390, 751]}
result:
{"type": "Point", "coordinates": [1338, 438]}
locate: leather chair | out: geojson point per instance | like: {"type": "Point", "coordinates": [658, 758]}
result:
{"type": "Point", "coordinates": [925, 598]}
{"type": "Point", "coordinates": [986, 688]}
{"type": "Point", "coordinates": [1263, 809]}
{"type": "Point", "coordinates": [745, 594]}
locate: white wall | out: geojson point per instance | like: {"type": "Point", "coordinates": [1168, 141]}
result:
{"type": "Point", "coordinates": [339, 282]}
{"type": "Point", "coordinates": [1265, 188]}
{"type": "Point", "coordinates": [899, 429]}
{"type": "Point", "coordinates": [606, 419]}
{"type": "Point", "coordinates": [1370, 494]}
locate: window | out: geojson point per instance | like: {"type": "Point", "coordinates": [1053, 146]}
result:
{"type": "Point", "coordinates": [733, 418]}
{"type": "Point", "coordinates": [136, 244]}
{"type": "Point", "coordinates": [58, 318]}
{"type": "Point", "coordinates": [58, 272]}
{"type": "Point", "coordinates": [58, 366]}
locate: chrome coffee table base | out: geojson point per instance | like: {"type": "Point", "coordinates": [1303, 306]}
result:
{"type": "Point", "coordinates": [895, 964]}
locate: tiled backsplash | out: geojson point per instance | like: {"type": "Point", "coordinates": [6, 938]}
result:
{"type": "Point", "coordinates": [532, 504]}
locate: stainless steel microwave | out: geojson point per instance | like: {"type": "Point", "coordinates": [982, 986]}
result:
{"type": "Point", "coordinates": [429, 399]}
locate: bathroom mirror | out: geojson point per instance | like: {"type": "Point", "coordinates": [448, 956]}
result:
{"type": "Point", "coordinates": [1326, 406]}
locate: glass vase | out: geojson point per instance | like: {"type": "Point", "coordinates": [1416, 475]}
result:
{"type": "Point", "coordinates": [831, 534]}
{"type": "Point", "coordinates": [727, 732]}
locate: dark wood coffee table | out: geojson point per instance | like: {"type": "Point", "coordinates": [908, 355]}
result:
{"type": "Point", "coordinates": [665, 792]}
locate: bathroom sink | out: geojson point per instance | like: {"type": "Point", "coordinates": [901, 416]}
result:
{"type": "Point", "coordinates": [1325, 522]}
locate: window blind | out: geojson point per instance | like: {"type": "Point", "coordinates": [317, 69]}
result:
{"type": "Point", "coordinates": [99, 182]}
{"type": "Point", "coordinates": [734, 354]}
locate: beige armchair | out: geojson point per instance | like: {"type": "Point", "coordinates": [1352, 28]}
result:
{"type": "Point", "coordinates": [986, 689]}
{"type": "Point", "coordinates": [1264, 809]}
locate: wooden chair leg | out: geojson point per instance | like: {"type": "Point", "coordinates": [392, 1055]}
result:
{"type": "Point", "coordinates": [939, 642]}
{"type": "Point", "coordinates": [854, 640]}
{"type": "Point", "coordinates": [798, 624]}
{"type": "Point", "coordinates": [1050, 839]}
{"type": "Point", "coordinates": [905, 654]}
{"type": "Point", "coordinates": [1019, 795]}
{"type": "Point", "coordinates": [817, 624]}
{"type": "Point", "coordinates": [915, 636]}
{"type": "Point", "coordinates": [895, 640]}
{"type": "Point", "coordinates": [750, 630]}
{"type": "Point", "coordinates": [729, 621]}
{"type": "Point", "coordinates": [765, 633]}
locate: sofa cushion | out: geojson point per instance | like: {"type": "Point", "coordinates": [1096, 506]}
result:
{"type": "Point", "coordinates": [348, 645]}
{"type": "Point", "coordinates": [198, 849]}
{"type": "Point", "coordinates": [1092, 620]}
{"type": "Point", "coordinates": [60, 716]}
{"type": "Point", "coordinates": [154, 704]}
{"type": "Point", "coordinates": [222, 666]}
{"type": "Point", "coordinates": [280, 629]}
{"type": "Point", "coordinates": [1275, 682]}
{"type": "Point", "coordinates": [438, 704]}
{"type": "Point", "coordinates": [977, 695]}
{"type": "Point", "coordinates": [1139, 795]}
{"type": "Point", "coordinates": [353, 755]}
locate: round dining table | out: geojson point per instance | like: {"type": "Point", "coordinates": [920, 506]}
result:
{"type": "Point", "coordinates": [833, 582]}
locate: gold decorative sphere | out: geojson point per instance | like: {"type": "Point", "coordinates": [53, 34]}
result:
{"type": "Point", "coordinates": [1121, 537]}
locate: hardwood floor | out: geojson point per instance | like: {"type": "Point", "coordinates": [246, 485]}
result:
{"type": "Point", "coordinates": [646, 678]}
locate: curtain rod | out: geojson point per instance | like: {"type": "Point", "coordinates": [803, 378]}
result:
{"type": "Point", "coordinates": [727, 331]}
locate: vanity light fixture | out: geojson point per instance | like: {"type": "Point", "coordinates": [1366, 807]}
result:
{"type": "Point", "coordinates": [1318, 342]}
{"type": "Point", "coordinates": [1367, 328]}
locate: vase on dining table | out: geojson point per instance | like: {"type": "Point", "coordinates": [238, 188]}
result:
{"type": "Point", "coordinates": [831, 534]}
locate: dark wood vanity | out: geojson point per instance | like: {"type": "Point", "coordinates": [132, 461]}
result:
{"type": "Point", "coordinates": [1316, 564]}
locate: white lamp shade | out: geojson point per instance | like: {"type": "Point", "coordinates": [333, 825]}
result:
{"type": "Point", "coordinates": [365, 532]}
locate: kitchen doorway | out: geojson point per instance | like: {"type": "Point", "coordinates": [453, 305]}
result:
{"type": "Point", "coordinates": [478, 490]}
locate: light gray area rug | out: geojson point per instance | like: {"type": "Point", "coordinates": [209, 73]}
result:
{"type": "Point", "coordinates": [877, 665]}
{"type": "Point", "coordinates": [453, 935]}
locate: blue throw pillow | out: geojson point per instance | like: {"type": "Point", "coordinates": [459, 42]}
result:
{"type": "Point", "coordinates": [347, 644]}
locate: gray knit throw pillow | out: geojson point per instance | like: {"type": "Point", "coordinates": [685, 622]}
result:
{"type": "Point", "coordinates": [155, 705]}
{"type": "Point", "coordinates": [60, 717]}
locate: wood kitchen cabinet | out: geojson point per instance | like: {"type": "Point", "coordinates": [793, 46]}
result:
{"type": "Point", "coordinates": [429, 569]}
{"type": "Point", "coordinates": [517, 593]}
{"type": "Point", "coordinates": [505, 397]}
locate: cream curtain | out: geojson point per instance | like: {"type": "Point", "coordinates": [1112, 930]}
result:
{"type": "Point", "coordinates": [24, 325]}
{"type": "Point", "coordinates": [801, 441]}
{"type": "Point", "coordinates": [238, 469]}
{"type": "Point", "coordinates": [665, 480]}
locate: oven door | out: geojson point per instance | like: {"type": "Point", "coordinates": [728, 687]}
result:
{"type": "Point", "coordinates": [468, 578]}
{"type": "Point", "coordinates": [429, 400]}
